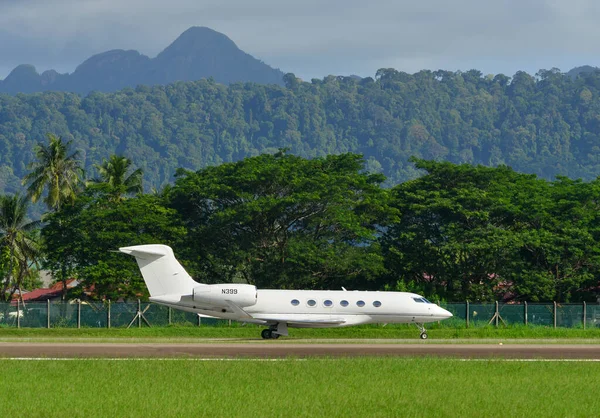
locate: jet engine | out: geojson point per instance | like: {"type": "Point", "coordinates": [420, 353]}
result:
{"type": "Point", "coordinates": [242, 295]}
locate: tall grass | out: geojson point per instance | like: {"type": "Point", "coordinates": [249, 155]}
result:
{"type": "Point", "coordinates": [253, 332]}
{"type": "Point", "coordinates": [316, 387]}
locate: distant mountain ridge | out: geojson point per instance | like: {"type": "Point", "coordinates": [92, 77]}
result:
{"type": "Point", "coordinates": [197, 53]}
{"type": "Point", "coordinates": [584, 69]}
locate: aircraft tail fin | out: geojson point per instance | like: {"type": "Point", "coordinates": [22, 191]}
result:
{"type": "Point", "coordinates": [162, 272]}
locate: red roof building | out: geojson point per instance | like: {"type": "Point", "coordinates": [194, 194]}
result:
{"type": "Point", "coordinates": [43, 294]}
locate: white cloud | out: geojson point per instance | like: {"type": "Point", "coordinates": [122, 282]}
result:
{"type": "Point", "coordinates": [314, 38]}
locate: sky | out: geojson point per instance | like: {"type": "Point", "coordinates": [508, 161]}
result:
{"type": "Point", "coordinates": [314, 38]}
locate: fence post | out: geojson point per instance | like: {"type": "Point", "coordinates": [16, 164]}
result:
{"type": "Point", "coordinates": [170, 316]}
{"type": "Point", "coordinates": [496, 315]}
{"type": "Point", "coordinates": [467, 314]}
{"type": "Point", "coordinates": [584, 314]}
{"type": "Point", "coordinates": [554, 315]}
{"type": "Point", "coordinates": [139, 313]}
{"type": "Point", "coordinates": [19, 312]}
{"type": "Point", "coordinates": [526, 319]}
{"type": "Point", "coordinates": [108, 315]}
{"type": "Point", "coordinates": [78, 313]}
{"type": "Point", "coordinates": [47, 313]}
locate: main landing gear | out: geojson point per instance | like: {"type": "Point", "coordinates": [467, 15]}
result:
{"type": "Point", "coordinates": [423, 335]}
{"type": "Point", "coordinates": [275, 331]}
{"type": "Point", "coordinates": [269, 334]}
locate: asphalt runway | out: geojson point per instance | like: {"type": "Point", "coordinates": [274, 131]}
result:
{"type": "Point", "coordinates": [282, 350]}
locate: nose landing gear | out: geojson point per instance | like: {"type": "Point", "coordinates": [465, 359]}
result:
{"type": "Point", "coordinates": [423, 335]}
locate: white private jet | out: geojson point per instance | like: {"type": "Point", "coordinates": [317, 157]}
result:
{"type": "Point", "coordinates": [170, 285]}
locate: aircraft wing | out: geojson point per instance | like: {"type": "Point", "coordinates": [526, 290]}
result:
{"type": "Point", "coordinates": [307, 320]}
{"type": "Point", "coordinates": [237, 310]}
{"type": "Point", "coordinates": [317, 322]}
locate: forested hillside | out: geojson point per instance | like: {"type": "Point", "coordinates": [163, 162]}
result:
{"type": "Point", "coordinates": [547, 125]}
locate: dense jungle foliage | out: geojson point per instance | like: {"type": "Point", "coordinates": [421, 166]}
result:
{"type": "Point", "coordinates": [282, 221]}
{"type": "Point", "coordinates": [546, 124]}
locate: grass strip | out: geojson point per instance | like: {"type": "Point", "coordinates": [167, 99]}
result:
{"type": "Point", "coordinates": [253, 332]}
{"type": "Point", "coordinates": [314, 387]}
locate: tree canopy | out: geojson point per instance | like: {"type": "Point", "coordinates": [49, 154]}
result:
{"type": "Point", "coordinates": [282, 221]}
{"type": "Point", "coordinates": [544, 124]}
{"type": "Point", "coordinates": [486, 233]}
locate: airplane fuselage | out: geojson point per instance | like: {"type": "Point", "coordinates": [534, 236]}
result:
{"type": "Point", "coordinates": [331, 307]}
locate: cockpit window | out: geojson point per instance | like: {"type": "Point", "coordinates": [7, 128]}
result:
{"type": "Point", "coordinates": [419, 300]}
{"type": "Point", "coordinates": [425, 300]}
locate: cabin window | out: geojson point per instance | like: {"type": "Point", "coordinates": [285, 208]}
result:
{"type": "Point", "coordinates": [328, 303]}
{"type": "Point", "coordinates": [295, 302]}
{"type": "Point", "coordinates": [377, 304]}
{"type": "Point", "coordinates": [360, 303]}
{"type": "Point", "coordinates": [344, 303]}
{"type": "Point", "coordinates": [311, 302]}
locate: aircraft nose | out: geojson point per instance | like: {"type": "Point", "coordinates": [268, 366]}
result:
{"type": "Point", "coordinates": [444, 313]}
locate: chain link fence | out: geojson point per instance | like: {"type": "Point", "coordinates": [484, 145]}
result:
{"type": "Point", "coordinates": [563, 315]}
{"type": "Point", "coordinates": [76, 314]}
{"type": "Point", "coordinates": [87, 314]}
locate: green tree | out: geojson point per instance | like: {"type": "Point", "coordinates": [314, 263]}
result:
{"type": "Point", "coordinates": [559, 258]}
{"type": "Point", "coordinates": [55, 170]}
{"type": "Point", "coordinates": [483, 233]}
{"type": "Point", "coordinates": [283, 221]}
{"type": "Point", "coordinates": [451, 241]}
{"type": "Point", "coordinates": [87, 235]}
{"type": "Point", "coordinates": [17, 243]}
{"type": "Point", "coordinates": [113, 172]}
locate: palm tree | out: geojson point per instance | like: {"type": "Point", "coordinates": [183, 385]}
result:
{"type": "Point", "coordinates": [17, 238]}
{"type": "Point", "coordinates": [60, 173]}
{"type": "Point", "coordinates": [56, 171]}
{"type": "Point", "coordinates": [113, 172]}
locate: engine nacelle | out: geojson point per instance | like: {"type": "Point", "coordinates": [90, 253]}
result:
{"type": "Point", "coordinates": [242, 295]}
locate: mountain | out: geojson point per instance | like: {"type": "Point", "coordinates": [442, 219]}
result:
{"type": "Point", "coordinates": [198, 53]}
{"type": "Point", "coordinates": [584, 69]}
{"type": "Point", "coordinates": [201, 53]}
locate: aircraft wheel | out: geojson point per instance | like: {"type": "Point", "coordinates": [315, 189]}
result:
{"type": "Point", "coordinates": [274, 335]}
{"type": "Point", "coordinates": [424, 335]}
{"type": "Point", "coordinates": [266, 334]}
